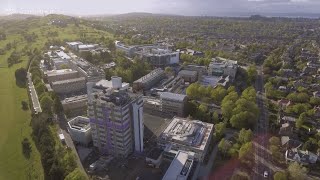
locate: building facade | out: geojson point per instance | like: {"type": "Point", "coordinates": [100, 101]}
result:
{"type": "Point", "coordinates": [149, 80]}
{"type": "Point", "coordinates": [80, 130]}
{"type": "Point", "coordinates": [59, 75]}
{"type": "Point", "coordinates": [223, 67]}
{"type": "Point", "coordinates": [189, 76]}
{"type": "Point", "coordinates": [180, 166]}
{"type": "Point", "coordinates": [76, 105]}
{"type": "Point", "coordinates": [116, 118]}
{"type": "Point", "coordinates": [173, 104]}
{"type": "Point", "coordinates": [69, 85]}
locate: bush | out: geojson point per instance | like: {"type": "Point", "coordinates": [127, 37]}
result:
{"type": "Point", "coordinates": [24, 105]}
{"type": "Point", "coordinates": [26, 148]}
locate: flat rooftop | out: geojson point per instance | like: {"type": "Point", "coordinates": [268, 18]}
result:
{"type": "Point", "coordinates": [180, 166]}
{"type": "Point", "coordinates": [59, 72]}
{"type": "Point", "coordinates": [83, 97]}
{"type": "Point", "coordinates": [79, 123]}
{"type": "Point", "coordinates": [151, 75]}
{"type": "Point", "coordinates": [172, 96]}
{"type": "Point", "coordinates": [105, 84]}
{"type": "Point", "coordinates": [192, 133]}
{"type": "Point", "coordinates": [152, 101]}
{"type": "Point", "coordinates": [69, 81]}
{"type": "Point", "coordinates": [62, 55]}
{"type": "Point", "coordinates": [188, 73]}
{"type": "Point", "coordinates": [74, 43]}
{"type": "Point", "coordinates": [87, 46]}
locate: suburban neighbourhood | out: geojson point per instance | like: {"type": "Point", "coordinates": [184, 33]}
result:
{"type": "Point", "coordinates": [148, 96]}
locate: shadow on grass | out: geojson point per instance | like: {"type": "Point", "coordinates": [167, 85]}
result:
{"type": "Point", "coordinates": [21, 84]}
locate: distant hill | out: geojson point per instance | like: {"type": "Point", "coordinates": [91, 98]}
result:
{"type": "Point", "coordinates": [127, 15]}
{"type": "Point", "coordinates": [17, 16]}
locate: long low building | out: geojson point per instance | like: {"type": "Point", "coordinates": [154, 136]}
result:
{"type": "Point", "coordinates": [69, 85]}
{"type": "Point", "coordinates": [186, 135]}
{"type": "Point", "coordinates": [80, 130]}
{"type": "Point", "coordinates": [149, 80]}
{"type": "Point", "coordinates": [60, 75]}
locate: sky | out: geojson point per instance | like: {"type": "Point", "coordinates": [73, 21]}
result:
{"type": "Point", "coordinates": [180, 7]}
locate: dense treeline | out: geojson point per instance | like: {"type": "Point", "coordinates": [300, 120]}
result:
{"type": "Point", "coordinates": [57, 161]}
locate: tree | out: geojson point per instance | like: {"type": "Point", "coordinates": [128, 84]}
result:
{"type": "Point", "coordinates": [226, 109]}
{"type": "Point", "coordinates": [26, 148]}
{"type": "Point", "coordinates": [191, 107]}
{"type": "Point", "coordinates": [245, 136]}
{"type": "Point", "coordinates": [246, 150]}
{"type": "Point", "coordinates": [224, 146]}
{"type": "Point", "coordinates": [46, 104]}
{"type": "Point", "coordinates": [280, 176]}
{"type": "Point", "coordinates": [274, 141]}
{"type": "Point", "coordinates": [298, 108]}
{"type": "Point", "coordinates": [310, 145]}
{"type": "Point", "coordinates": [298, 97]}
{"type": "Point", "coordinates": [21, 77]}
{"type": "Point", "coordinates": [240, 175]}
{"type": "Point", "coordinates": [215, 117]}
{"type": "Point", "coordinates": [24, 105]}
{"type": "Point", "coordinates": [297, 171]}
{"type": "Point", "coordinates": [41, 88]}
{"type": "Point", "coordinates": [219, 130]}
{"type": "Point", "coordinates": [202, 113]}
{"type": "Point", "coordinates": [252, 74]}
{"type": "Point", "coordinates": [168, 70]}
{"type": "Point", "coordinates": [315, 101]}
{"type": "Point", "coordinates": [228, 104]}
{"type": "Point", "coordinates": [218, 94]}
{"type": "Point", "coordinates": [249, 94]}
{"type": "Point", "coordinates": [275, 151]}
{"type": "Point", "coordinates": [192, 91]}
{"type": "Point", "coordinates": [301, 120]}
{"type": "Point", "coordinates": [76, 174]}
{"type": "Point", "coordinates": [243, 119]}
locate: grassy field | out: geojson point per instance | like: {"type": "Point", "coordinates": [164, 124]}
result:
{"type": "Point", "coordinates": [15, 123]}
{"type": "Point", "coordinates": [14, 127]}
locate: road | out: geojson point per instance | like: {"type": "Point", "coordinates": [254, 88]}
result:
{"type": "Point", "coordinates": [63, 129]}
{"type": "Point", "coordinates": [33, 94]}
{"type": "Point", "coordinates": [261, 132]}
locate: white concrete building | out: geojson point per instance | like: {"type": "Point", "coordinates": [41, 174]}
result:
{"type": "Point", "coordinates": [223, 67]}
{"type": "Point", "coordinates": [80, 130]}
{"type": "Point", "coordinates": [186, 135]}
{"type": "Point", "coordinates": [180, 167]}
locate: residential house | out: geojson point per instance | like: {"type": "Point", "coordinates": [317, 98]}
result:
{"type": "Point", "coordinates": [303, 157]}
{"type": "Point", "coordinates": [284, 103]}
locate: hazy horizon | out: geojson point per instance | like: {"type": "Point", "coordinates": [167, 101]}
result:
{"type": "Point", "coordinates": [176, 7]}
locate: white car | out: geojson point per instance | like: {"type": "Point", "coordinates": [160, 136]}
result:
{"type": "Point", "coordinates": [265, 174]}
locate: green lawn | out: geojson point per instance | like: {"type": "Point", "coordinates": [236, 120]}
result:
{"type": "Point", "coordinates": [14, 127]}
{"type": "Point", "coordinates": [14, 122]}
